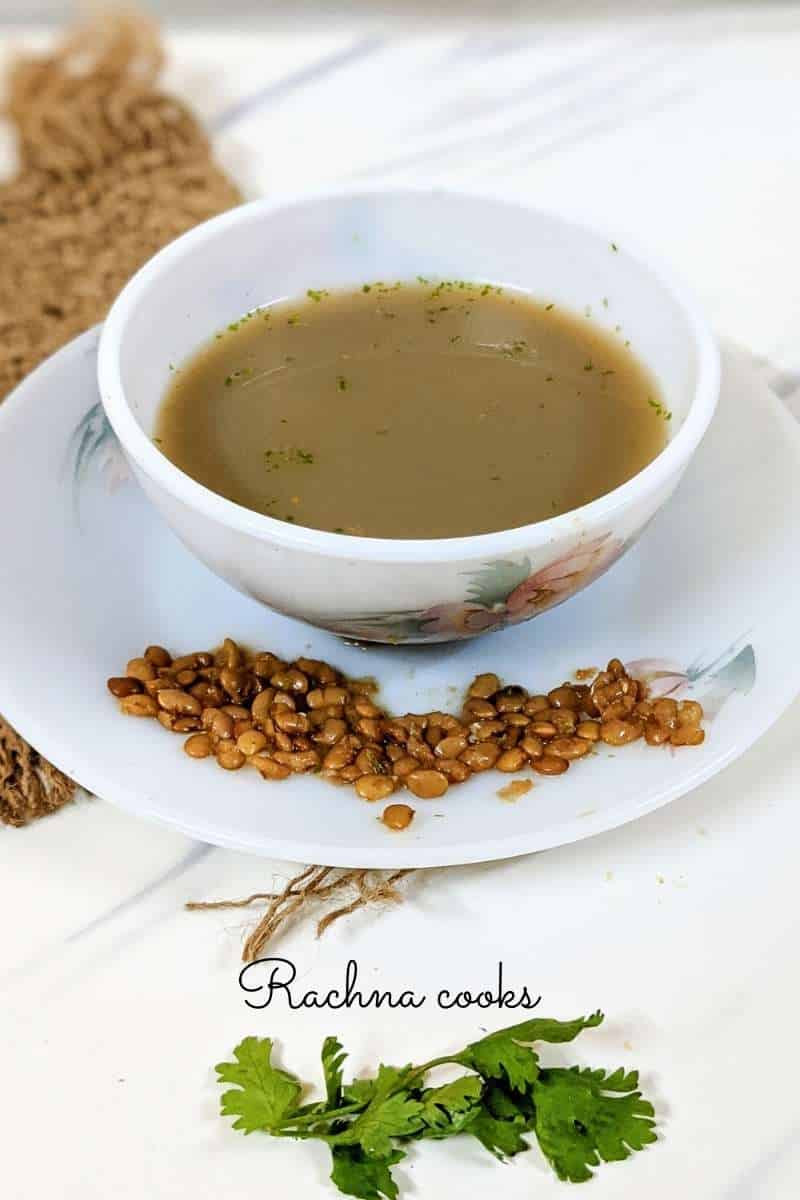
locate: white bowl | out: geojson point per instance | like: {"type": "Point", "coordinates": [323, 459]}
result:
{"type": "Point", "coordinates": [382, 589]}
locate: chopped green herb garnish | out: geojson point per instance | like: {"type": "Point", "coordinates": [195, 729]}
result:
{"type": "Point", "coordinates": [228, 380]}
{"type": "Point", "coordinates": [455, 338]}
{"type": "Point", "coordinates": [338, 529]}
{"type": "Point", "coordinates": [157, 441]}
{"type": "Point", "coordinates": [294, 319]}
{"type": "Point", "coordinates": [659, 409]}
{"type": "Point", "coordinates": [614, 247]}
{"type": "Point", "coordinates": [580, 1116]}
{"type": "Point", "coordinates": [588, 365]}
{"type": "Point", "coordinates": [367, 287]}
{"type": "Point", "coordinates": [293, 456]}
{"type": "Point", "coordinates": [315, 295]}
{"type": "Point", "coordinates": [341, 383]}
{"type": "Point", "coordinates": [605, 301]}
{"type": "Point", "coordinates": [234, 325]}
{"type": "Point", "coordinates": [547, 307]}
{"type": "Point", "coordinates": [421, 279]}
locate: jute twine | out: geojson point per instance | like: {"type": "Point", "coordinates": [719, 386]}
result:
{"type": "Point", "coordinates": [110, 168]}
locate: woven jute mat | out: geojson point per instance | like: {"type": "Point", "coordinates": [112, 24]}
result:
{"type": "Point", "coordinates": [111, 168]}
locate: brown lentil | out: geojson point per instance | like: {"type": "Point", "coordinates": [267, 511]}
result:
{"type": "Point", "coordinates": [563, 697]}
{"type": "Point", "coordinates": [427, 785]}
{"type": "Point", "coordinates": [620, 733]}
{"type": "Point", "coordinates": [483, 686]}
{"type": "Point", "coordinates": [456, 772]}
{"type": "Point", "coordinates": [185, 724]}
{"type": "Point", "coordinates": [121, 686]}
{"type": "Point", "coordinates": [174, 700]}
{"type": "Point", "coordinates": [512, 760]}
{"type": "Point", "coordinates": [198, 745]}
{"type": "Point", "coordinates": [250, 742]}
{"type": "Point", "coordinates": [481, 757]}
{"type": "Point", "coordinates": [397, 816]}
{"type": "Point", "coordinates": [533, 746]}
{"type": "Point", "coordinates": [141, 669]}
{"type": "Point", "coordinates": [269, 768]}
{"type": "Point", "coordinates": [158, 656]}
{"type": "Point", "coordinates": [374, 787]}
{"type": "Point", "coordinates": [479, 708]}
{"type": "Point", "coordinates": [300, 760]}
{"type": "Point", "coordinates": [230, 758]}
{"type": "Point", "coordinates": [569, 747]}
{"type": "Point", "coordinates": [138, 705]}
{"type": "Point", "coordinates": [451, 747]}
{"type": "Point", "coordinates": [550, 764]}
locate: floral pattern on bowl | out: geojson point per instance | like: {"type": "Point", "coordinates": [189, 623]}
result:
{"type": "Point", "coordinates": [501, 593]}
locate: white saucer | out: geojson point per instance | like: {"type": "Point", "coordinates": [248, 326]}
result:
{"type": "Point", "coordinates": [89, 575]}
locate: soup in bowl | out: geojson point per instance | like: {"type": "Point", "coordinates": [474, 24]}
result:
{"type": "Point", "coordinates": [401, 415]}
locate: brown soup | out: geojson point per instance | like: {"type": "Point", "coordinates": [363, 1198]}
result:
{"type": "Point", "coordinates": [413, 411]}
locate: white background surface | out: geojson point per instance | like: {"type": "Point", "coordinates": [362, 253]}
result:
{"type": "Point", "coordinates": [115, 1003]}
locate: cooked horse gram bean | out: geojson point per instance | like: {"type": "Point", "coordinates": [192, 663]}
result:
{"type": "Point", "coordinates": [550, 764]}
{"type": "Point", "coordinates": [230, 758]}
{"type": "Point", "coordinates": [269, 768]}
{"type": "Point", "coordinates": [282, 725]}
{"type": "Point", "coordinates": [175, 700]}
{"type": "Point", "coordinates": [198, 745]}
{"type": "Point", "coordinates": [397, 816]}
{"type": "Point", "coordinates": [121, 686]}
{"type": "Point", "coordinates": [139, 705]}
{"type": "Point", "coordinates": [428, 785]}
{"type": "Point", "coordinates": [374, 787]}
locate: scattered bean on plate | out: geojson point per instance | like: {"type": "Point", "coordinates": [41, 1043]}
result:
{"type": "Point", "coordinates": [306, 717]}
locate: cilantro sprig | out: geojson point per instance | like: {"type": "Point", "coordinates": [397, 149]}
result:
{"type": "Point", "coordinates": [579, 1116]}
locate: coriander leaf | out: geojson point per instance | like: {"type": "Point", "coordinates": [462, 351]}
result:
{"type": "Point", "coordinates": [578, 1123]}
{"type": "Point", "coordinates": [502, 1120]}
{"type": "Point", "coordinates": [358, 1091]}
{"type": "Point", "coordinates": [545, 1029]}
{"type": "Point", "coordinates": [503, 1139]}
{"type": "Point", "coordinates": [505, 1054]}
{"type": "Point", "coordinates": [263, 1094]}
{"type": "Point", "coordinates": [447, 1109]}
{"type": "Point", "coordinates": [391, 1112]}
{"type": "Point", "coordinates": [395, 1116]}
{"type": "Point", "coordinates": [357, 1174]}
{"type": "Point", "coordinates": [507, 1106]}
{"type": "Point", "coordinates": [333, 1056]}
{"type": "Point", "coordinates": [500, 1056]}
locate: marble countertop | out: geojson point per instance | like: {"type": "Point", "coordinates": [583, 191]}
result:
{"type": "Point", "coordinates": [115, 1002]}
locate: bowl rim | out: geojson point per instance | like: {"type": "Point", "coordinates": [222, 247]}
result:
{"type": "Point", "coordinates": [195, 496]}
